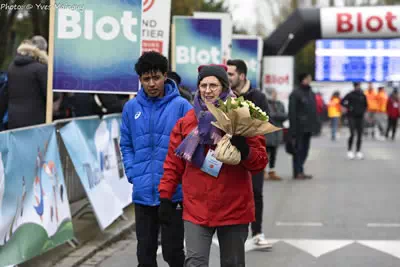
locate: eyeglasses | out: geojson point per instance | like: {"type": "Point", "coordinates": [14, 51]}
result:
{"type": "Point", "coordinates": [212, 86]}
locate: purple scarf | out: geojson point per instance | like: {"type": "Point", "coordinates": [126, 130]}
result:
{"type": "Point", "coordinates": [192, 147]}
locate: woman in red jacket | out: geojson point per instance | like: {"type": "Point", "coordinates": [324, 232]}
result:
{"type": "Point", "coordinates": [217, 197]}
{"type": "Point", "coordinates": [393, 112]}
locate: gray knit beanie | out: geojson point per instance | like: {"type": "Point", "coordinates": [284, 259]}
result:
{"type": "Point", "coordinates": [219, 71]}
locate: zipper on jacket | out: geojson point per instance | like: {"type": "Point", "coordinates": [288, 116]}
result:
{"type": "Point", "coordinates": [152, 155]}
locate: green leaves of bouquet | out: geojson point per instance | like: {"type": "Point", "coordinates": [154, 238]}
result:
{"type": "Point", "coordinates": [234, 103]}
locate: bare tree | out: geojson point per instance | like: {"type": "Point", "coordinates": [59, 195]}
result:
{"type": "Point", "coordinates": [7, 18]}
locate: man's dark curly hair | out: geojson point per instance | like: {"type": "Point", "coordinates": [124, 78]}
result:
{"type": "Point", "coordinates": [151, 62]}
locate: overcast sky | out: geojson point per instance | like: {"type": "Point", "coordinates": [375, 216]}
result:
{"type": "Point", "coordinates": [244, 12]}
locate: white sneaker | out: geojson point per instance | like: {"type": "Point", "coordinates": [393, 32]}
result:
{"type": "Point", "coordinates": [360, 155]}
{"type": "Point", "coordinates": [259, 240]}
{"type": "Point", "coordinates": [350, 155]}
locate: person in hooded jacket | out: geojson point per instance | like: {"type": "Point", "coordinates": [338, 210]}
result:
{"type": "Point", "coordinates": [27, 86]}
{"type": "Point", "coordinates": [147, 121]}
{"type": "Point", "coordinates": [356, 104]}
{"type": "Point", "coordinates": [217, 197]}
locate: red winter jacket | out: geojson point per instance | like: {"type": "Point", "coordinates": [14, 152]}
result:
{"type": "Point", "coordinates": [393, 108]}
{"type": "Point", "coordinates": [209, 201]}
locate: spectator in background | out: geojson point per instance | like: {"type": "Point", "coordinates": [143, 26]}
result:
{"type": "Point", "coordinates": [393, 113]}
{"type": "Point", "coordinates": [183, 91]}
{"type": "Point", "coordinates": [381, 99]}
{"type": "Point", "coordinates": [356, 104]}
{"type": "Point", "coordinates": [277, 116]}
{"type": "Point", "coordinates": [373, 108]}
{"type": "Point", "coordinates": [240, 85]}
{"type": "Point", "coordinates": [334, 113]}
{"type": "Point", "coordinates": [303, 122]}
{"type": "Point", "coordinates": [86, 104]}
{"type": "Point", "coordinates": [147, 122]}
{"type": "Point", "coordinates": [321, 112]}
{"type": "Point", "coordinates": [27, 84]}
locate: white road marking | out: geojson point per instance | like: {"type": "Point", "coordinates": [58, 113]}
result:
{"type": "Point", "coordinates": [386, 246]}
{"type": "Point", "coordinates": [317, 248]}
{"type": "Point", "coordinates": [383, 225]}
{"type": "Point", "coordinates": [312, 224]}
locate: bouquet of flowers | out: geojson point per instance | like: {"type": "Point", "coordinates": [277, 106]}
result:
{"type": "Point", "coordinates": [237, 116]}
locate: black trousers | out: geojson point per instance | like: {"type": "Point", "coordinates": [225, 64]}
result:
{"type": "Point", "coordinates": [302, 146]}
{"type": "Point", "coordinates": [356, 125]}
{"type": "Point", "coordinates": [392, 126]}
{"type": "Point", "coordinates": [147, 227]}
{"type": "Point", "coordinates": [258, 186]}
{"type": "Point", "coordinates": [271, 151]}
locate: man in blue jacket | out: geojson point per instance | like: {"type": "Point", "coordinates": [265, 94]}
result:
{"type": "Point", "coordinates": [147, 122]}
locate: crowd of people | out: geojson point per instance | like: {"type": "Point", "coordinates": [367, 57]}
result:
{"type": "Point", "coordinates": [166, 144]}
{"type": "Point", "coordinates": [167, 139]}
{"type": "Point", "coordinates": [367, 113]}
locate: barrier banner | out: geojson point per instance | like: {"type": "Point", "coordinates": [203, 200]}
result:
{"type": "Point", "coordinates": [156, 25]}
{"type": "Point", "coordinates": [34, 208]}
{"type": "Point", "coordinates": [96, 44]}
{"type": "Point", "coordinates": [87, 146]}
{"type": "Point", "coordinates": [197, 42]}
{"type": "Point", "coordinates": [107, 138]}
{"type": "Point", "coordinates": [249, 49]}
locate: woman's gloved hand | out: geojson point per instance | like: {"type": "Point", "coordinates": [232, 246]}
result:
{"type": "Point", "coordinates": [240, 143]}
{"type": "Point", "coordinates": [166, 211]}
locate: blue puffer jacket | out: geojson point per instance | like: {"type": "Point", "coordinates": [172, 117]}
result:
{"type": "Point", "coordinates": [145, 130]}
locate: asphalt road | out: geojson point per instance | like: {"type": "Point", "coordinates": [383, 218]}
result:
{"type": "Point", "coordinates": [348, 215]}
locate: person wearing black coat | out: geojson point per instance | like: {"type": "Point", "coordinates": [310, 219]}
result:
{"type": "Point", "coordinates": [303, 122]}
{"type": "Point", "coordinates": [277, 116]}
{"type": "Point", "coordinates": [240, 85]}
{"type": "Point", "coordinates": [356, 104]}
{"type": "Point", "coordinates": [27, 87]}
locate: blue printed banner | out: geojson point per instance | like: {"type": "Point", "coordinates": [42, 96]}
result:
{"type": "Point", "coordinates": [197, 42]}
{"type": "Point", "coordinates": [249, 49]}
{"type": "Point", "coordinates": [96, 46]}
{"type": "Point", "coordinates": [34, 209]}
{"type": "Point", "coordinates": [87, 144]}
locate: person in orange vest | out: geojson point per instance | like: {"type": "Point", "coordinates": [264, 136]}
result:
{"type": "Point", "coordinates": [371, 96]}
{"type": "Point", "coordinates": [381, 99]}
{"type": "Point", "coordinates": [334, 113]}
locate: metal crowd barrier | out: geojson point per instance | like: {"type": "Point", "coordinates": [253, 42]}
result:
{"type": "Point", "coordinates": [75, 190]}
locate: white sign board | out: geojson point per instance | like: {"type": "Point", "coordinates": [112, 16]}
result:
{"type": "Point", "coordinates": [156, 26]}
{"type": "Point", "coordinates": [227, 26]}
{"type": "Point", "coordinates": [278, 74]}
{"type": "Point", "coordinates": [360, 22]}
